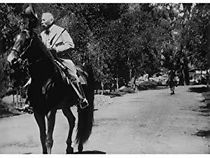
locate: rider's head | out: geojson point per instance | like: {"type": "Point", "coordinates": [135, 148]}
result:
{"type": "Point", "coordinates": [47, 20]}
{"type": "Point", "coordinates": [29, 18]}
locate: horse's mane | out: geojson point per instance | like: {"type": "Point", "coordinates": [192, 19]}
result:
{"type": "Point", "coordinates": [42, 47]}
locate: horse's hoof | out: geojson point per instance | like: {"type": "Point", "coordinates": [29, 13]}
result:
{"type": "Point", "coordinates": [69, 150]}
{"type": "Point", "coordinates": [49, 151]}
{"type": "Point", "coordinates": [80, 148]}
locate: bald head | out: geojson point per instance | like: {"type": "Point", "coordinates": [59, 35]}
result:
{"type": "Point", "coordinates": [47, 19]}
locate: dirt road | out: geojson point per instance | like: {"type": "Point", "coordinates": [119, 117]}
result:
{"type": "Point", "coordinates": [147, 122]}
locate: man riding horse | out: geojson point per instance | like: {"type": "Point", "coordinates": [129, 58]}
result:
{"type": "Point", "coordinates": [59, 43]}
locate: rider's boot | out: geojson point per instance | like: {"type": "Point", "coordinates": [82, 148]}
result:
{"type": "Point", "coordinates": [83, 103]}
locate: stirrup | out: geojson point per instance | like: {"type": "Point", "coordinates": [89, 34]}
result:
{"type": "Point", "coordinates": [83, 104]}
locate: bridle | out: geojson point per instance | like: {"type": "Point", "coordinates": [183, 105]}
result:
{"type": "Point", "coordinates": [24, 51]}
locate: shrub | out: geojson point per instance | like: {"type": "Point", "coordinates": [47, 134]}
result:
{"type": "Point", "coordinates": [147, 85]}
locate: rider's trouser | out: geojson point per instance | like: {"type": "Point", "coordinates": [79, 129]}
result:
{"type": "Point", "coordinates": [73, 72]}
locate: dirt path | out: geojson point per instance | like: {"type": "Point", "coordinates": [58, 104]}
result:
{"type": "Point", "coordinates": [145, 122]}
{"type": "Point", "coordinates": [152, 122]}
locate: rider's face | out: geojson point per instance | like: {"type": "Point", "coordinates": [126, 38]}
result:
{"type": "Point", "coordinates": [46, 21]}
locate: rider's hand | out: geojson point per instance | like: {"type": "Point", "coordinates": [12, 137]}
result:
{"type": "Point", "coordinates": [52, 50]}
{"type": "Point", "coordinates": [17, 61]}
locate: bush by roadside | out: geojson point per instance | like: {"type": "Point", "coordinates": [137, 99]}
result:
{"type": "Point", "coordinates": [147, 85]}
{"type": "Point", "coordinates": [7, 110]}
{"type": "Point", "coordinates": [123, 90]}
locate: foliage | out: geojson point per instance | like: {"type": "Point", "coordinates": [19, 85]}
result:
{"type": "Point", "coordinates": [124, 40]}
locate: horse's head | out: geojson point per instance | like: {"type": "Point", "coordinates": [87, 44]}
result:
{"type": "Point", "coordinates": [19, 50]}
{"type": "Point", "coordinates": [18, 71]}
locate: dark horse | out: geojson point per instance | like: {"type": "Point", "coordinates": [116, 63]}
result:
{"type": "Point", "coordinates": [49, 91]}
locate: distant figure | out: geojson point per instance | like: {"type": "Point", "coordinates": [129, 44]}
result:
{"type": "Point", "coordinates": [171, 81]}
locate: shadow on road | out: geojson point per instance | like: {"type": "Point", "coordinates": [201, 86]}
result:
{"type": "Point", "coordinates": [205, 109]}
{"type": "Point", "coordinates": [198, 89]}
{"type": "Point", "coordinates": [84, 152]}
{"type": "Point", "coordinates": [27, 153]}
{"type": "Point", "coordinates": [203, 133]}
{"type": "Point", "coordinates": [91, 152]}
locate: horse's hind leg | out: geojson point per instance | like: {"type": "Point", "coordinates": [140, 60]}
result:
{"type": "Point", "coordinates": [40, 119]}
{"type": "Point", "coordinates": [71, 120]}
{"type": "Point", "coordinates": [80, 148]}
{"type": "Point", "coordinates": [50, 124]}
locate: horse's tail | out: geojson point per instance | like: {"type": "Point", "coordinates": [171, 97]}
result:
{"type": "Point", "coordinates": [85, 116]}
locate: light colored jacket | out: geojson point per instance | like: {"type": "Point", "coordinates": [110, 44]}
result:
{"type": "Point", "coordinates": [58, 39]}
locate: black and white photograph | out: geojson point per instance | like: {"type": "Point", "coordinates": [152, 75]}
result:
{"type": "Point", "coordinates": [104, 78]}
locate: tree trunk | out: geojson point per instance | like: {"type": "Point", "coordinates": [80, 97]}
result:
{"type": "Point", "coordinates": [181, 78]}
{"type": "Point", "coordinates": [208, 43]}
{"type": "Point", "coordinates": [186, 75]}
{"type": "Point", "coordinates": [117, 83]}
{"type": "Point", "coordinates": [130, 74]}
{"type": "Point", "coordinates": [102, 87]}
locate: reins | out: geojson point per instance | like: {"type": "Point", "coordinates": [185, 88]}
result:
{"type": "Point", "coordinates": [24, 51]}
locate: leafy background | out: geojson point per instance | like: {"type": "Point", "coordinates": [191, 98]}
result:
{"type": "Point", "coordinates": [122, 41]}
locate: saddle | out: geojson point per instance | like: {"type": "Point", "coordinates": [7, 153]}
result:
{"type": "Point", "coordinates": [66, 76]}
{"type": "Point", "coordinates": [82, 75]}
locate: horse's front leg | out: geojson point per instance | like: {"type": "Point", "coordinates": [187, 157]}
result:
{"type": "Point", "coordinates": [50, 128]}
{"type": "Point", "coordinates": [40, 119]}
{"type": "Point", "coordinates": [71, 120]}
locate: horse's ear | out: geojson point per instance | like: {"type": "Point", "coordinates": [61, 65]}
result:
{"type": "Point", "coordinates": [39, 36]}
